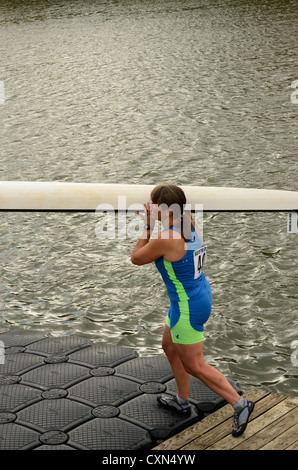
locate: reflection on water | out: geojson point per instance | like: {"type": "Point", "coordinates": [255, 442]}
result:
{"type": "Point", "coordinates": [142, 92]}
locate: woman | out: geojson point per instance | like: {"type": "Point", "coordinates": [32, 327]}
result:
{"type": "Point", "coordinates": [178, 253]}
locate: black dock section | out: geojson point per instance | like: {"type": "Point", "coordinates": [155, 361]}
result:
{"type": "Point", "coordinates": [69, 393]}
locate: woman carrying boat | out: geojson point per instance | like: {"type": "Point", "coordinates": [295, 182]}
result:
{"type": "Point", "coordinates": [179, 253]}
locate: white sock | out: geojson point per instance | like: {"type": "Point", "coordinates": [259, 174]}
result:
{"type": "Point", "coordinates": [239, 405]}
{"type": "Point", "coordinates": [182, 401]}
{"type": "Point", "coordinates": [243, 412]}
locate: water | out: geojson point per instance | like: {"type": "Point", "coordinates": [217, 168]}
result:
{"type": "Point", "coordinates": [192, 92]}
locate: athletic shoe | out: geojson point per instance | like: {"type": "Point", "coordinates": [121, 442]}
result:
{"type": "Point", "coordinates": [171, 403]}
{"type": "Point", "coordinates": [241, 419]}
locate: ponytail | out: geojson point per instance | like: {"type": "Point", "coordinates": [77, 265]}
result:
{"type": "Point", "coordinates": [186, 226]}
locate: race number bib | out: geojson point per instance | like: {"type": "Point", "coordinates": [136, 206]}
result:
{"type": "Point", "coordinates": [199, 259]}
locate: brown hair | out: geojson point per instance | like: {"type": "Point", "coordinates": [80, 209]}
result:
{"type": "Point", "coordinates": [174, 198]}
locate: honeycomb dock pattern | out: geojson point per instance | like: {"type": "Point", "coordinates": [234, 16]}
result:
{"type": "Point", "coordinates": [68, 393]}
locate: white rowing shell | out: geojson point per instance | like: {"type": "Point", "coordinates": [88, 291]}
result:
{"type": "Point", "coordinates": [64, 196]}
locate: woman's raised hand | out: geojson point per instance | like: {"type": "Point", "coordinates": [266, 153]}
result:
{"type": "Point", "coordinates": [150, 214]}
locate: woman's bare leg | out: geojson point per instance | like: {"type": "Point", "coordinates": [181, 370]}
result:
{"type": "Point", "coordinates": [191, 356]}
{"type": "Point", "coordinates": [186, 360]}
{"type": "Point", "coordinates": [180, 374]}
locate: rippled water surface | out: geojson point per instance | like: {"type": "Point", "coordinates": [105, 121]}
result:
{"type": "Point", "coordinates": [193, 92]}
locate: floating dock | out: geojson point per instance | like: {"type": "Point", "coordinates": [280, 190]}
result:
{"type": "Point", "coordinates": [68, 393]}
{"type": "Point", "coordinates": [273, 425]}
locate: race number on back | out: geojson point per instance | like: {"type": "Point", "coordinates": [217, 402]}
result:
{"type": "Point", "coordinates": [199, 259]}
